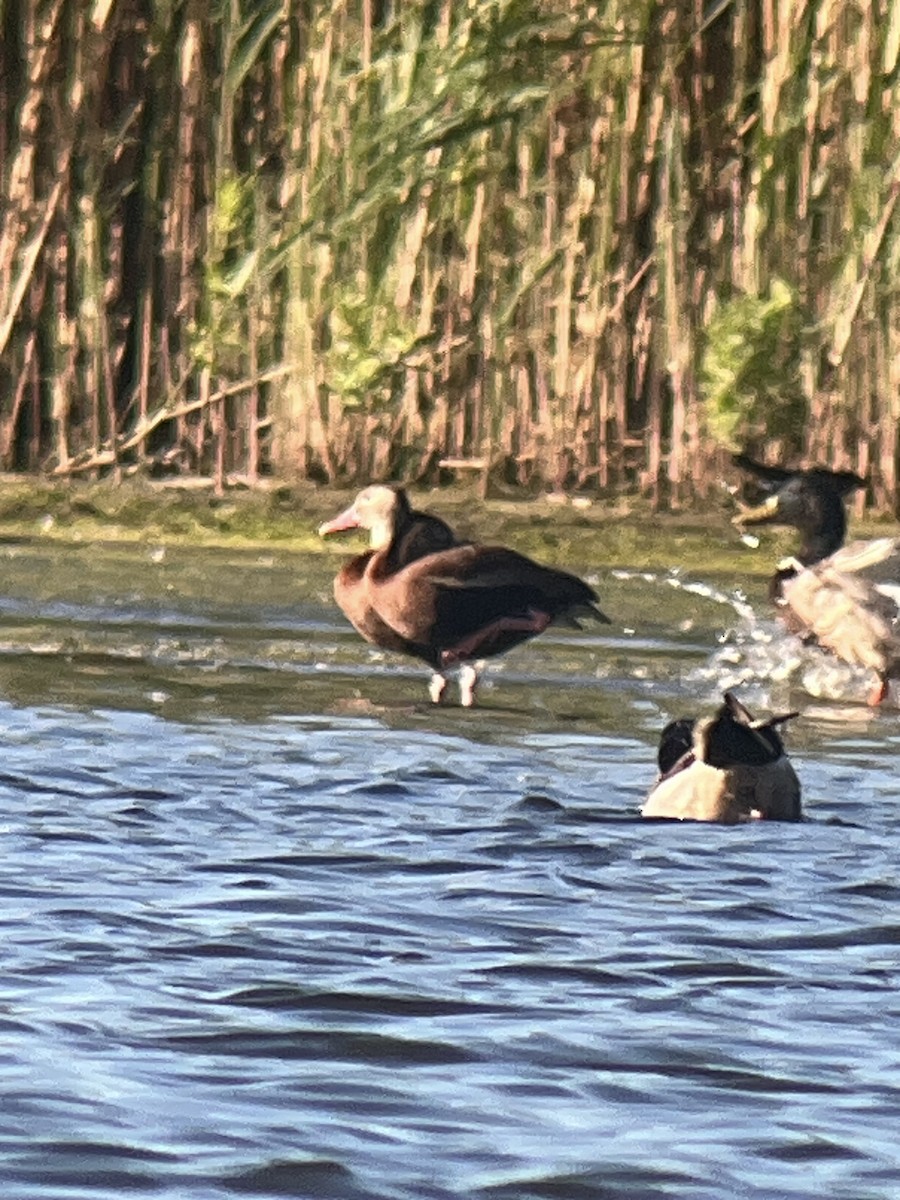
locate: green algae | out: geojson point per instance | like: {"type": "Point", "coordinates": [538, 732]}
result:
{"type": "Point", "coordinates": [580, 535]}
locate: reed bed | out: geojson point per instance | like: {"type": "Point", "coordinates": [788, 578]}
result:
{"type": "Point", "coordinates": [557, 245]}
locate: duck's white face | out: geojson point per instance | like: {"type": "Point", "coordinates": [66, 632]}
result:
{"type": "Point", "coordinates": [374, 509]}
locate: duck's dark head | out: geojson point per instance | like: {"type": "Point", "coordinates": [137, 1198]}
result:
{"type": "Point", "coordinates": [379, 509]}
{"type": "Point", "coordinates": [675, 741]}
{"type": "Point", "coordinates": [813, 503]}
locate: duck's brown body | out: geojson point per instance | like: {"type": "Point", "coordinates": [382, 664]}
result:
{"type": "Point", "coordinates": [415, 535]}
{"type": "Point", "coordinates": [473, 602]}
{"type": "Point", "coordinates": [352, 598]}
{"type": "Point", "coordinates": [728, 768]}
{"type": "Point", "coordinates": [420, 592]}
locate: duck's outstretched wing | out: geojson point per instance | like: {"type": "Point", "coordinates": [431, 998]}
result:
{"type": "Point", "coordinates": [877, 565]}
{"type": "Point", "coordinates": [846, 614]}
{"type": "Point", "coordinates": [862, 556]}
{"type": "Point", "coordinates": [772, 478]}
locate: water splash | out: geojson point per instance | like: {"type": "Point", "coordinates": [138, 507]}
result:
{"type": "Point", "coordinates": [765, 662]}
{"type": "Point", "coordinates": [757, 656]}
{"type": "Point", "coordinates": [736, 600]}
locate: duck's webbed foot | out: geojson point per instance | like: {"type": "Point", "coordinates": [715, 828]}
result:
{"type": "Point", "coordinates": [533, 622]}
{"type": "Point", "coordinates": [468, 682]}
{"type": "Point", "coordinates": [879, 692]}
{"type": "Point", "coordinates": [436, 687]}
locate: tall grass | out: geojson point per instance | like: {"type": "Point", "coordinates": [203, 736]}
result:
{"type": "Point", "coordinates": [571, 246]}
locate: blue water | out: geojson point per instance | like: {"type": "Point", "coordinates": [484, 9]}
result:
{"type": "Point", "coordinates": [272, 926]}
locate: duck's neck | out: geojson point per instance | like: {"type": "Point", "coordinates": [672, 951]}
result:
{"type": "Point", "coordinates": [826, 536]}
{"type": "Point", "coordinates": [382, 553]}
{"type": "Point", "coordinates": [381, 533]}
{"type": "Point", "coordinates": [777, 582]}
{"type": "Point", "coordinates": [821, 544]}
{"type": "Point", "coordinates": [395, 529]}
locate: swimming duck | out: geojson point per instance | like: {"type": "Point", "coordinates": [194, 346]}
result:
{"type": "Point", "coordinates": [726, 768]}
{"type": "Point", "coordinates": [453, 605]}
{"type": "Point", "coordinates": [821, 592]}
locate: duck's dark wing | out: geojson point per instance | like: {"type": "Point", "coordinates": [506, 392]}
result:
{"type": "Point", "coordinates": [843, 482]}
{"type": "Point", "coordinates": [733, 737]}
{"type": "Point", "coordinates": [771, 478]}
{"type": "Point", "coordinates": [478, 600]}
{"type": "Point", "coordinates": [496, 581]}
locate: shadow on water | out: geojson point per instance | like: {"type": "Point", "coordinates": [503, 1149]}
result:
{"type": "Point", "coordinates": [275, 926]}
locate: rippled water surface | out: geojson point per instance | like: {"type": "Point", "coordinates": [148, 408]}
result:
{"type": "Point", "coordinates": [274, 927]}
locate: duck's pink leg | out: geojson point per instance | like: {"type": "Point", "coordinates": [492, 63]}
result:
{"type": "Point", "coordinates": [535, 622]}
{"type": "Point", "coordinates": [436, 687]}
{"type": "Point", "coordinates": [468, 682]}
{"type": "Point", "coordinates": [879, 692]}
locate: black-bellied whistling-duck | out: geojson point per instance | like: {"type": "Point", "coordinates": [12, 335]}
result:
{"type": "Point", "coordinates": [411, 534]}
{"type": "Point", "coordinates": [822, 592]}
{"type": "Point", "coordinates": [458, 604]}
{"type": "Point", "coordinates": [726, 768]}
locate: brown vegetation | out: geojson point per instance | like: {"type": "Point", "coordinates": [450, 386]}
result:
{"type": "Point", "coordinates": [582, 246]}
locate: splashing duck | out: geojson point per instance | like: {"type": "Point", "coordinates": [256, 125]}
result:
{"type": "Point", "coordinates": [826, 592]}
